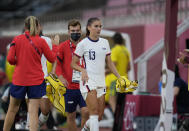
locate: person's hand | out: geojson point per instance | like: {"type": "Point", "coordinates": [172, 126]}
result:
{"type": "Point", "coordinates": [181, 58]}
{"type": "Point", "coordinates": [84, 76]}
{"type": "Point", "coordinates": [63, 80]}
{"type": "Point", "coordinates": [55, 40]}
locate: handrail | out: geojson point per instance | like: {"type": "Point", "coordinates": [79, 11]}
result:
{"type": "Point", "coordinates": [160, 44]}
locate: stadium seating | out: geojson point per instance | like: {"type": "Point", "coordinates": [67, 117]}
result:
{"type": "Point", "coordinates": [112, 3]}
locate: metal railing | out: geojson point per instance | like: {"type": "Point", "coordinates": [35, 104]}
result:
{"type": "Point", "coordinates": [143, 59]}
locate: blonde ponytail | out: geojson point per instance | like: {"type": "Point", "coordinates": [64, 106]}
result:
{"type": "Point", "coordinates": [32, 23]}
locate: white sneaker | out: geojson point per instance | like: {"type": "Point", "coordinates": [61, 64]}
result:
{"type": "Point", "coordinates": [85, 128]}
{"type": "Point", "coordinates": [20, 125]}
{"type": "Point", "coordinates": [55, 128]}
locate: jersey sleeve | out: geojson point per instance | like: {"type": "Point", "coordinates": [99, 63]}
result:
{"type": "Point", "coordinates": [11, 58]}
{"type": "Point", "coordinates": [59, 70]}
{"type": "Point", "coordinates": [177, 82]}
{"type": "Point", "coordinates": [108, 51]}
{"type": "Point", "coordinates": [60, 58]}
{"type": "Point", "coordinates": [50, 55]}
{"type": "Point", "coordinates": [49, 42]}
{"type": "Point", "coordinates": [60, 54]}
{"type": "Point", "coordinates": [79, 50]}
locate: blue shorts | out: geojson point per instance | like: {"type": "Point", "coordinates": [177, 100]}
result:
{"type": "Point", "coordinates": [36, 91]}
{"type": "Point", "coordinates": [72, 99]}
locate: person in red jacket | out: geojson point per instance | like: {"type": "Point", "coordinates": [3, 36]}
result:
{"type": "Point", "coordinates": [69, 77]}
{"type": "Point", "coordinates": [28, 78]}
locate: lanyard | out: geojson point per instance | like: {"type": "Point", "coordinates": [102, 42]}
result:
{"type": "Point", "coordinates": [72, 51]}
{"type": "Point", "coordinates": [71, 48]}
{"type": "Point", "coordinates": [31, 42]}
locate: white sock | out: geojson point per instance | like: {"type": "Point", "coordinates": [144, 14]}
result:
{"type": "Point", "coordinates": [86, 126]}
{"type": "Point", "coordinates": [42, 119]}
{"type": "Point", "coordinates": [87, 123]}
{"type": "Point", "coordinates": [94, 125]}
{"type": "Point", "coordinates": [28, 121]}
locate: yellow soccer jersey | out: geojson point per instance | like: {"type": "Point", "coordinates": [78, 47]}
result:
{"type": "Point", "coordinates": [49, 66]}
{"type": "Point", "coordinates": [9, 69]}
{"type": "Point", "coordinates": [121, 56]}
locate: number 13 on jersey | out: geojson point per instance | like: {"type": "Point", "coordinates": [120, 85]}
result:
{"type": "Point", "coordinates": [91, 55]}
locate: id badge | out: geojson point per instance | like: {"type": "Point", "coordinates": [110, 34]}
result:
{"type": "Point", "coordinates": [76, 76]}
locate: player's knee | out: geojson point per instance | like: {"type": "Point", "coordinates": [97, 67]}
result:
{"type": "Point", "coordinates": [94, 110]}
{"type": "Point", "coordinates": [85, 113]}
{"type": "Point", "coordinates": [70, 119]}
{"type": "Point", "coordinates": [45, 109]}
{"type": "Point", "coordinates": [14, 110]}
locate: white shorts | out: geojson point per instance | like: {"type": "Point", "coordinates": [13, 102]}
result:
{"type": "Point", "coordinates": [100, 91]}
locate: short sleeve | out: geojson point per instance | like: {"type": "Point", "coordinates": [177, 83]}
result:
{"type": "Point", "coordinates": [50, 55]}
{"type": "Point", "coordinates": [108, 51]}
{"type": "Point", "coordinates": [11, 57]}
{"type": "Point", "coordinates": [177, 82]}
{"type": "Point", "coordinates": [49, 42]}
{"type": "Point", "coordinates": [79, 50]}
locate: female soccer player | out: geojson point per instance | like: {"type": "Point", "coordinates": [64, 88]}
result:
{"type": "Point", "coordinates": [95, 52]}
{"type": "Point", "coordinates": [28, 78]}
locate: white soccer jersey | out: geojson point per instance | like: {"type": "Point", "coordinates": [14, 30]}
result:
{"type": "Point", "coordinates": [94, 54]}
{"type": "Point", "coordinates": [43, 58]}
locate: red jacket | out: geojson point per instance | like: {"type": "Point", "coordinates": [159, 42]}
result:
{"type": "Point", "coordinates": [65, 53]}
{"type": "Point", "coordinates": [28, 70]}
